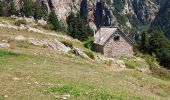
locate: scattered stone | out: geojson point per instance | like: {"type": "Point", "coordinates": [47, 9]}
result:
{"type": "Point", "coordinates": [16, 79]}
{"type": "Point", "coordinates": [5, 41]}
{"type": "Point", "coordinates": [20, 38]}
{"type": "Point", "coordinates": [4, 45]}
{"type": "Point", "coordinates": [121, 63]}
{"type": "Point", "coordinates": [143, 70]}
{"type": "Point", "coordinates": [5, 96]}
{"type": "Point", "coordinates": [63, 98]}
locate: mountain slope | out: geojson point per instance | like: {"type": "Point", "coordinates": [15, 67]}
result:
{"type": "Point", "coordinates": [41, 73]}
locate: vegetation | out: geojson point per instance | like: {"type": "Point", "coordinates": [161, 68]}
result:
{"type": "Point", "coordinates": [12, 10]}
{"type": "Point", "coordinates": [67, 43]}
{"type": "Point", "coordinates": [77, 28]}
{"type": "Point", "coordinates": [31, 8]}
{"type": "Point", "coordinates": [156, 44]}
{"type": "Point", "coordinates": [90, 54]}
{"type": "Point", "coordinates": [1, 9]}
{"type": "Point", "coordinates": [19, 22]}
{"type": "Point", "coordinates": [53, 20]}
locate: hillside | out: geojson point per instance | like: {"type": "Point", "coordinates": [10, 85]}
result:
{"type": "Point", "coordinates": [40, 72]}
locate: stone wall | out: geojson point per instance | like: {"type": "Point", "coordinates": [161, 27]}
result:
{"type": "Point", "coordinates": [118, 48]}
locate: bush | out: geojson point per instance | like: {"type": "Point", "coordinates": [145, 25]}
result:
{"type": "Point", "coordinates": [109, 62]}
{"type": "Point", "coordinates": [67, 43]}
{"type": "Point", "coordinates": [129, 65]}
{"type": "Point", "coordinates": [19, 22]}
{"type": "Point", "coordinates": [88, 43]}
{"type": "Point", "coordinates": [90, 54]}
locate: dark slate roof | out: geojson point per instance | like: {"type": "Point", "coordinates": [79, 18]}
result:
{"type": "Point", "coordinates": [104, 33]}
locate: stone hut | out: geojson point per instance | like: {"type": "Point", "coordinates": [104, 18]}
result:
{"type": "Point", "coordinates": [112, 42]}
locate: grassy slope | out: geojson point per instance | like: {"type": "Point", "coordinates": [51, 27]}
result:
{"type": "Point", "coordinates": [34, 73]}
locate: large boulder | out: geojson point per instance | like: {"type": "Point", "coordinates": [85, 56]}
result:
{"type": "Point", "coordinates": [52, 43]}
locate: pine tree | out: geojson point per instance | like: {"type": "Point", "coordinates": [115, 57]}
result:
{"type": "Point", "coordinates": [160, 45]}
{"type": "Point", "coordinates": [53, 20]}
{"type": "Point", "coordinates": [77, 28]}
{"type": "Point", "coordinates": [27, 8]}
{"type": "Point", "coordinates": [1, 9]}
{"type": "Point", "coordinates": [39, 11]}
{"type": "Point", "coordinates": [144, 46]}
{"type": "Point", "coordinates": [12, 10]}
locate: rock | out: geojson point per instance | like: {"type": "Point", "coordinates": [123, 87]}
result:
{"type": "Point", "coordinates": [16, 79]}
{"type": "Point", "coordinates": [4, 45]}
{"type": "Point", "coordinates": [56, 45]}
{"type": "Point", "coordinates": [52, 43]}
{"type": "Point", "coordinates": [63, 98]}
{"type": "Point", "coordinates": [5, 41]}
{"type": "Point", "coordinates": [36, 42]}
{"type": "Point", "coordinates": [78, 52]}
{"type": "Point", "coordinates": [20, 38]}
{"type": "Point", "coordinates": [143, 70]}
{"type": "Point", "coordinates": [42, 22]}
{"type": "Point", "coordinates": [5, 96]}
{"type": "Point", "coordinates": [121, 63]}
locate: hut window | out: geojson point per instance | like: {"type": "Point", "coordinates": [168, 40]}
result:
{"type": "Point", "coordinates": [116, 38]}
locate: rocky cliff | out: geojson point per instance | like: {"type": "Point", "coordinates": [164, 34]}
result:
{"type": "Point", "coordinates": [127, 14]}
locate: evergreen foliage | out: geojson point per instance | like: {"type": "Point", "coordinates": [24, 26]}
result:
{"type": "Point", "coordinates": [53, 20]}
{"type": "Point", "coordinates": [1, 9]}
{"type": "Point", "coordinates": [157, 44]}
{"type": "Point", "coordinates": [77, 28]}
{"type": "Point", "coordinates": [27, 7]}
{"type": "Point", "coordinates": [144, 46]}
{"type": "Point", "coordinates": [160, 45]}
{"type": "Point", "coordinates": [12, 10]}
{"type": "Point", "coordinates": [39, 11]}
{"type": "Point", "coordinates": [33, 8]}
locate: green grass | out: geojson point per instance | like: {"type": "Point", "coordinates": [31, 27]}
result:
{"type": "Point", "coordinates": [4, 53]}
{"type": "Point", "coordinates": [132, 63]}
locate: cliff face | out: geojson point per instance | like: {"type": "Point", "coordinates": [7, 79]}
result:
{"type": "Point", "coordinates": [109, 12]}
{"type": "Point", "coordinates": [126, 14]}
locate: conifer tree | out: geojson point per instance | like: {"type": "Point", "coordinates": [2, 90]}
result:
{"type": "Point", "coordinates": [77, 28]}
{"type": "Point", "coordinates": [12, 10]}
{"type": "Point", "coordinates": [53, 20]}
{"type": "Point", "coordinates": [144, 46]}
{"type": "Point", "coordinates": [1, 9]}
{"type": "Point", "coordinates": [27, 8]}
{"type": "Point", "coordinates": [39, 11]}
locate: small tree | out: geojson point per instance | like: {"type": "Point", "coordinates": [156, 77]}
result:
{"type": "Point", "coordinates": [39, 11]}
{"type": "Point", "coordinates": [77, 28]}
{"type": "Point", "coordinates": [144, 45]}
{"type": "Point", "coordinates": [1, 9]}
{"type": "Point", "coordinates": [27, 7]}
{"type": "Point", "coordinates": [12, 10]}
{"type": "Point", "coordinates": [53, 20]}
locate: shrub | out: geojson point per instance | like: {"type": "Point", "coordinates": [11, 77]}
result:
{"type": "Point", "coordinates": [19, 22]}
{"type": "Point", "coordinates": [129, 65]}
{"type": "Point", "coordinates": [67, 43]}
{"type": "Point", "coordinates": [109, 62]}
{"type": "Point", "coordinates": [90, 54]}
{"type": "Point", "coordinates": [88, 43]}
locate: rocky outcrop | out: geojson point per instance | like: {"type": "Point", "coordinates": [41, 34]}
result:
{"type": "Point", "coordinates": [52, 43]}
{"type": "Point", "coordinates": [145, 10]}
